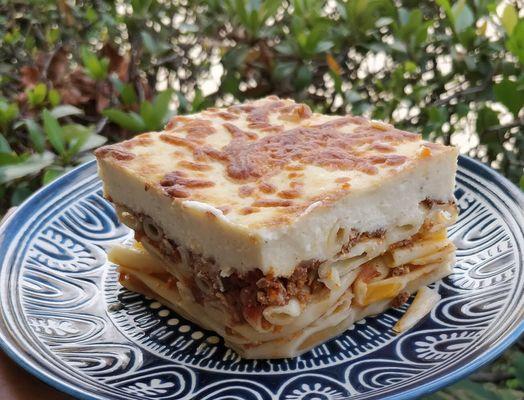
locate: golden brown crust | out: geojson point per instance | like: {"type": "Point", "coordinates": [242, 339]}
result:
{"type": "Point", "coordinates": [267, 154]}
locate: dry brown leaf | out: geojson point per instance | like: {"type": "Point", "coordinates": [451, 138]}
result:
{"type": "Point", "coordinates": [117, 63]}
{"type": "Point", "coordinates": [57, 65]}
{"type": "Point", "coordinates": [29, 76]}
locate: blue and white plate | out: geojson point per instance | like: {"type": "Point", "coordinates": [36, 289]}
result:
{"type": "Point", "coordinates": [65, 318]}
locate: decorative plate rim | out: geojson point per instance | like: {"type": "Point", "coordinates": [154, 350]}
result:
{"type": "Point", "coordinates": [24, 360]}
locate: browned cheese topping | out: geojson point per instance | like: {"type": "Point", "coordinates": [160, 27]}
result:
{"type": "Point", "coordinates": [270, 153]}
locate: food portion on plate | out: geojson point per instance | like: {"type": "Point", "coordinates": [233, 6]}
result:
{"type": "Point", "coordinates": [277, 227]}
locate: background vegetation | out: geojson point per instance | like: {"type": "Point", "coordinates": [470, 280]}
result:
{"type": "Point", "coordinates": [75, 74]}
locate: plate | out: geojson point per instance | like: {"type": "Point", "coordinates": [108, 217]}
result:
{"type": "Point", "coordinates": [65, 318]}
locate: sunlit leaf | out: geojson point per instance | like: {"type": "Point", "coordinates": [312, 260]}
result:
{"type": "Point", "coordinates": [131, 120]}
{"type": "Point", "coordinates": [8, 112]}
{"type": "Point", "coordinates": [54, 133]}
{"type": "Point", "coordinates": [65, 111]}
{"type": "Point", "coordinates": [37, 95]}
{"type": "Point", "coordinates": [462, 15]}
{"type": "Point", "coordinates": [9, 158]}
{"type": "Point", "coordinates": [93, 141]}
{"type": "Point", "coordinates": [54, 97]}
{"type": "Point", "coordinates": [51, 174]}
{"type": "Point", "coordinates": [515, 43]}
{"type": "Point", "coordinates": [31, 165]}
{"type": "Point", "coordinates": [509, 18]}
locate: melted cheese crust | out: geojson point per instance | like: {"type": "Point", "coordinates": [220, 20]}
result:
{"type": "Point", "coordinates": [264, 184]}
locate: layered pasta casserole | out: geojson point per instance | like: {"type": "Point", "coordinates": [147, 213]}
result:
{"type": "Point", "coordinates": [278, 227]}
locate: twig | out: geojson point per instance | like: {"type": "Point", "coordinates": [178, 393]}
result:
{"type": "Point", "coordinates": [505, 127]}
{"type": "Point", "coordinates": [462, 93]}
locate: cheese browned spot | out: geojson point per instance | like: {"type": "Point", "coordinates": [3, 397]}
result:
{"type": "Point", "coordinates": [238, 133]}
{"type": "Point", "coordinates": [176, 184]}
{"type": "Point", "coordinates": [295, 112]}
{"type": "Point", "coordinates": [322, 145]}
{"type": "Point", "coordinates": [114, 151]}
{"type": "Point", "coordinates": [343, 179]}
{"type": "Point", "coordinates": [226, 115]}
{"type": "Point", "coordinates": [178, 141]}
{"type": "Point", "coordinates": [267, 187]}
{"type": "Point", "coordinates": [248, 210]}
{"type": "Point", "coordinates": [271, 203]}
{"type": "Point", "coordinates": [245, 191]}
{"type": "Point", "coordinates": [194, 166]}
{"type": "Point", "coordinates": [289, 194]}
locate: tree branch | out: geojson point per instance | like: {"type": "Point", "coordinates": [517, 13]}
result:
{"type": "Point", "coordinates": [505, 127]}
{"type": "Point", "coordinates": [462, 93]}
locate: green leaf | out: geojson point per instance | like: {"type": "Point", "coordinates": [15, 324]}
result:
{"type": "Point", "coordinates": [486, 118]}
{"type": "Point", "coordinates": [130, 121]}
{"type": "Point", "coordinates": [153, 45]}
{"type": "Point", "coordinates": [54, 133]}
{"type": "Point", "coordinates": [52, 35]}
{"type": "Point", "coordinates": [54, 97]}
{"type": "Point", "coordinates": [149, 42]}
{"type": "Point", "coordinates": [462, 16]}
{"type": "Point", "coordinates": [352, 96]}
{"type": "Point", "coordinates": [303, 78]}
{"type": "Point", "coordinates": [283, 70]}
{"type": "Point", "coordinates": [199, 102]}
{"type": "Point", "coordinates": [323, 46]}
{"type": "Point", "coordinates": [75, 135]}
{"type": "Point", "coordinates": [515, 43]}
{"type": "Point", "coordinates": [65, 110]}
{"type": "Point", "coordinates": [8, 112]}
{"type": "Point", "coordinates": [446, 6]}
{"type": "Point", "coordinates": [51, 174]}
{"type": "Point", "coordinates": [183, 104]}
{"type": "Point", "coordinates": [140, 6]}
{"type": "Point", "coordinates": [33, 164]}
{"type": "Point", "coordinates": [522, 182]}
{"type": "Point", "coordinates": [91, 15]}
{"type": "Point", "coordinates": [148, 114]}
{"type": "Point", "coordinates": [36, 96]}
{"type": "Point", "coordinates": [287, 48]}
{"type": "Point", "coordinates": [161, 105]}
{"type": "Point", "coordinates": [96, 68]}
{"type": "Point", "coordinates": [10, 158]}
{"type": "Point", "coordinates": [235, 57]}
{"type": "Point", "coordinates": [410, 66]}
{"type": "Point", "coordinates": [4, 145]}
{"type": "Point", "coordinates": [93, 141]}
{"type": "Point", "coordinates": [519, 357]}
{"type": "Point", "coordinates": [508, 93]}
{"type": "Point", "coordinates": [35, 135]}
{"type": "Point", "coordinates": [21, 192]}
{"type": "Point", "coordinates": [128, 94]}
{"type": "Point", "coordinates": [383, 21]}
{"type": "Point", "coordinates": [509, 18]}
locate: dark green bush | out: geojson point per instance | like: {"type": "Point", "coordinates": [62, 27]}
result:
{"type": "Point", "coordinates": [74, 75]}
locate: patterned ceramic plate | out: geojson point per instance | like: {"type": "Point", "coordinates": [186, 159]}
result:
{"type": "Point", "coordinates": [65, 318]}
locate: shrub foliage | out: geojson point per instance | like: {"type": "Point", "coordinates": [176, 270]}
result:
{"type": "Point", "coordinates": [76, 74]}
